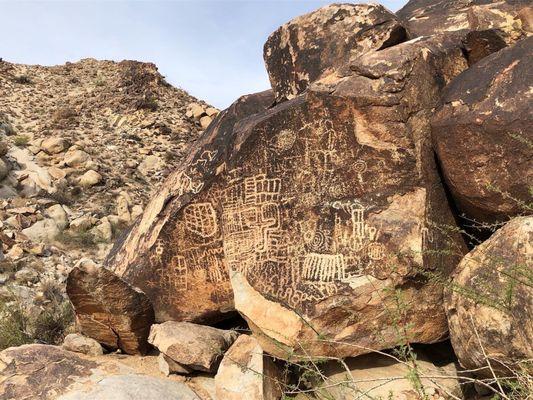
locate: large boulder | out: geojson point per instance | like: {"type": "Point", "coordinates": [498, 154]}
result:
{"type": "Point", "coordinates": [482, 135]}
{"type": "Point", "coordinates": [326, 212]}
{"type": "Point", "coordinates": [428, 17]}
{"type": "Point", "coordinates": [195, 347]}
{"type": "Point", "coordinates": [381, 376]}
{"type": "Point", "coordinates": [314, 45]}
{"type": "Point", "coordinates": [42, 372]}
{"type": "Point", "coordinates": [109, 310]}
{"type": "Point", "coordinates": [247, 373]}
{"type": "Point", "coordinates": [489, 307]}
{"type": "Point", "coordinates": [178, 261]}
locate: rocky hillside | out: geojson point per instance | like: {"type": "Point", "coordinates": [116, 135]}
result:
{"type": "Point", "coordinates": [363, 230]}
{"type": "Point", "coordinates": [83, 145]}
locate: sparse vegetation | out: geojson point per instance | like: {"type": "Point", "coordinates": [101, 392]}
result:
{"type": "Point", "coordinates": [21, 140]}
{"type": "Point", "coordinates": [23, 79]}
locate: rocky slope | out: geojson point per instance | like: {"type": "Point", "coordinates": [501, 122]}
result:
{"type": "Point", "coordinates": [82, 147]}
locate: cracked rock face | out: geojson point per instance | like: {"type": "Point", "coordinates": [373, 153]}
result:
{"type": "Point", "coordinates": [490, 308]}
{"type": "Point", "coordinates": [177, 258]}
{"type": "Point", "coordinates": [42, 372]}
{"type": "Point", "coordinates": [315, 45]}
{"type": "Point", "coordinates": [486, 118]}
{"type": "Point", "coordinates": [428, 17]}
{"type": "Point", "coordinates": [109, 310]}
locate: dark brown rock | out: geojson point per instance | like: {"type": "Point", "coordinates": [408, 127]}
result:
{"type": "Point", "coordinates": [314, 45]}
{"type": "Point", "coordinates": [489, 306]}
{"type": "Point", "coordinates": [428, 17]}
{"type": "Point", "coordinates": [178, 261]}
{"type": "Point", "coordinates": [322, 211]}
{"type": "Point", "coordinates": [482, 135]}
{"type": "Point", "coordinates": [109, 310]}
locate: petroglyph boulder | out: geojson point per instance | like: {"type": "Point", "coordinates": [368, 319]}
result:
{"type": "Point", "coordinates": [314, 45]}
{"type": "Point", "coordinates": [490, 309]}
{"type": "Point", "coordinates": [512, 18]}
{"type": "Point", "coordinates": [482, 135]}
{"type": "Point", "coordinates": [192, 346]}
{"type": "Point", "coordinates": [326, 212]}
{"type": "Point", "coordinates": [176, 256]}
{"type": "Point", "coordinates": [109, 310]}
{"type": "Point", "coordinates": [42, 372]}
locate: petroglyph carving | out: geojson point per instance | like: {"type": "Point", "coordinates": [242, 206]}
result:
{"type": "Point", "coordinates": [201, 219]}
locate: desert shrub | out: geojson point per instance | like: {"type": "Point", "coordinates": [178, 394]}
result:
{"type": "Point", "coordinates": [22, 79]}
{"type": "Point", "coordinates": [14, 324]}
{"type": "Point", "coordinates": [147, 103]}
{"type": "Point", "coordinates": [83, 239]}
{"type": "Point", "coordinates": [53, 323]}
{"type": "Point", "coordinates": [21, 140]}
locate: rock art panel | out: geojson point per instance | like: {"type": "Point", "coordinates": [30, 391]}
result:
{"type": "Point", "coordinates": [174, 252]}
{"type": "Point", "coordinates": [327, 210]}
{"type": "Point", "coordinates": [483, 138]}
{"type": "Point", "coordinates": [315, 45]}
{"type": "Point", "coordinates": [512, 18]}
{"type": "Point", "coordinates": [489, 307]}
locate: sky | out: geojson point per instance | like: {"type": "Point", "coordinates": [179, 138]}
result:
{"type": "Point", "coordinates": [212, 49]}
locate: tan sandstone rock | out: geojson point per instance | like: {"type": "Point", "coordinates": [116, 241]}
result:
{"type": "Point", "coordinates": [195, 347]}
{"type": "Point", "coordinates": [247, 373]}
{"type": "Point", "coordinates": [82, 344]}
{"type": "Point", "coordinates": [489, 307]}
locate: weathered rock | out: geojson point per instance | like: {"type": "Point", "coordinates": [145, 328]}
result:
{"type": "Point", "coordinates": [376, 376]}
{"type": "Point", "coordinates": [45, 230]}
{"type": "Point", "coordinates": [54, 145]}
{"type": "Point", "coordinates": [149, 164]}
{"type": "Point", "coordinates": [90, 178]}
{"type": "Point", "coordinates": [315, 45]}
{"type": "Point", "coordinates": [82, 344]}
{"type": "Point", "coordinates": [489, 305]}
{"type": "Point", "coordinates": [482, 135]}
{"type": "Point", "coordinates": [205, 121]}
{"type": "Point", "coordinates": [429, 17]}
{"type": "Point", "coordinates": [326, 210]}
{"type": "Point", "coordinates": [247, 373]}
{"type": "Point", "coordinates": [202, 294]}
{"type": "Point", "coordinates": [196, 347]}
{"type": "Point", "coordinates": [109, 310]}
{"type": "Point", "coordinates": [59, 215]}
{"type": "Point", "coordinates": [168, 366]}
{"type": "Point", "coordinates": [41, 372]}
{"type": "Point", "coordinates": [76, 158]}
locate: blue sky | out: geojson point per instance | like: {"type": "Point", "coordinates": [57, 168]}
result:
{"type": "Point", "coordinates": [212, 49]}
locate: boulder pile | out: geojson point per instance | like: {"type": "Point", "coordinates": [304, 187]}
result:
{"type": "Point", "coordinates": [333, 213]}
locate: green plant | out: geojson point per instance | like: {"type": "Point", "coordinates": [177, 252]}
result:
{"type": "Point", "coordinates": [14, 325]}
{"type": "Point", "coordinates": [53, 323]}
{"type": "Point", "coordinates": [21, 140]}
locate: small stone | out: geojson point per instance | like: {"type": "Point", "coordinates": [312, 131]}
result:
{"type": "Point", "coordinates": [57, 173]}
{"type": "Point", "coordinates": [205, 121]}
{"type": "Point", "coordinates": [54, 145]}
{"type": "Point", "coordinates": [168, 366]}
{"type": "Point", "coordinates": [75, 158]}
{"type": "Point", "coordinates": [196, 110]}
{"type": "Point", "coordinates": [103, 230]}
{"type": "Point", "coordinates": [211, 111]}
{"type": "Point", "coordinates": [149, 164]}
{"type": "Point", "coordinates": [59, 215]}
{"type": "Point", "coordinates": [90, 178]}
{"type": "Point", "coordinates": [45, 230]}
{"type": "Point", "coordinates": [82, 344]}
{"type": "Point", "coordinates": [83, 223]}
